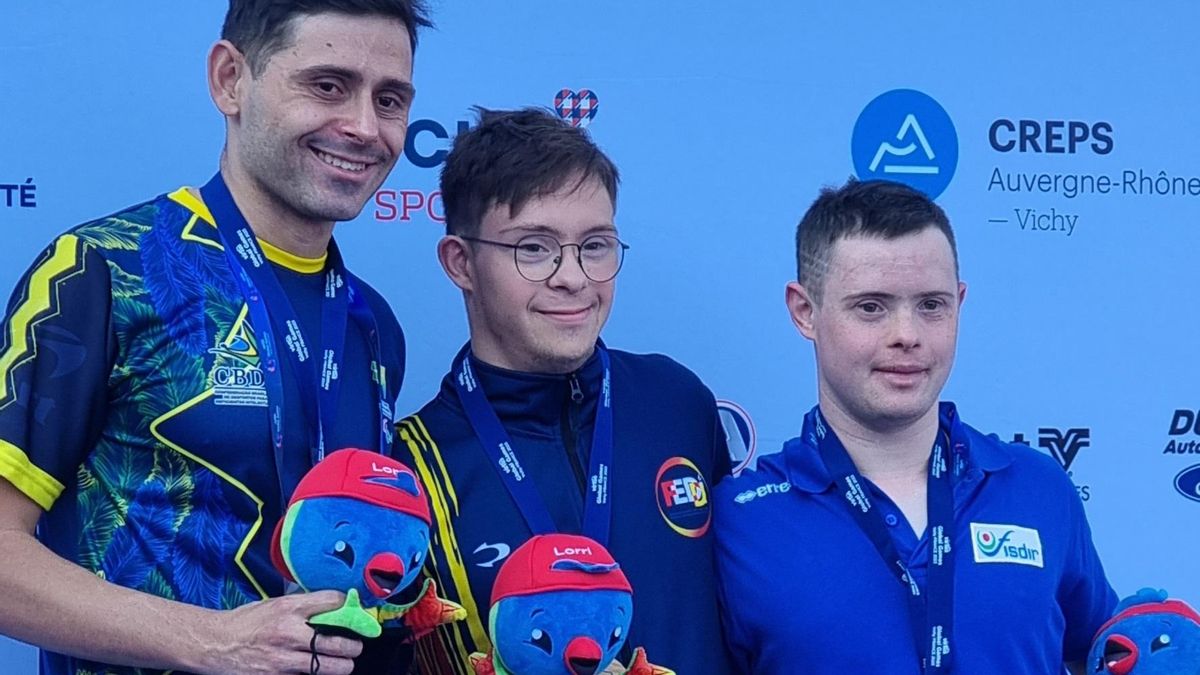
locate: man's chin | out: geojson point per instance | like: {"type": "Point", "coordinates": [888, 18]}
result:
{"type": "Point", "coordinates": [563, 361]}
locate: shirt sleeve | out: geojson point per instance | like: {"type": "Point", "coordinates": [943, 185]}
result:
{"type": "Point", "coordinates": [56, 353]}
{"type": "Point", "coordinates": [735, 637]}
{"type": "Point", "coordinates": [1085, 596]}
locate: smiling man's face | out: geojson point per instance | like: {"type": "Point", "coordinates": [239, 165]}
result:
{"type": "Point", "coordinates": [320, 128]}
{"type": "Point", "coordinates": [546, 326]}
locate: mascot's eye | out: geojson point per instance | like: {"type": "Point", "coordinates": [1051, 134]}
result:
{"type": "Point", "coordinates": [540, 640]}
{"type": "Point", "coordinates": [416, 561]}
{"type": "Point", "coordinates": [1160, 642]}
{"type": "Point", "coordinates": [615, 638]}
{"type": "Point", "coordinates": [342, 551]}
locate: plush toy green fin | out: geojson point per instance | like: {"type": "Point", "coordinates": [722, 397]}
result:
{"type": "Point", "coordinates": [350, 616]}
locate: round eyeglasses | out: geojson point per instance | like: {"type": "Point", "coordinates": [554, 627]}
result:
{"type": "Point", "coordinates": [538, 256]}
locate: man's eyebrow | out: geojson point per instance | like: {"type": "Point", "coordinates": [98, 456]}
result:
{"type": "Point", "coordinates": [882, 295]}
{"type": "Point", "coordinates": [541, 228]}
{"type": "Point", "coordinates": [312, 72]}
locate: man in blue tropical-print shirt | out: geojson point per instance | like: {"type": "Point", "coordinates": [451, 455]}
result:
{"type": "Point", "coordinates": [160, 382]}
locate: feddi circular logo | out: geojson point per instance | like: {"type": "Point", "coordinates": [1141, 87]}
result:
{"type": "Point", "coordinates": [682, 495]}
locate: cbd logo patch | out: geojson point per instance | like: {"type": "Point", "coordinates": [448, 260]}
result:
{"type": "Point", "coordinates": [577, 107]}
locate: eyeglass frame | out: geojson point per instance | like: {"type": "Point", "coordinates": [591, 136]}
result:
{"type": "Point", "coordinates": [561, 248]}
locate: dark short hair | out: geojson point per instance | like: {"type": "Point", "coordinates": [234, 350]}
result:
{"type": "Point", "coordinates": [512, 156]}
{"type": "Point", "coordinates": [260, 28]}
{"type": "Point", "coordinates": [874, 208]}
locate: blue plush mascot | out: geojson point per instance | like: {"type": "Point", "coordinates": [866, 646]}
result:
{"type": "Point", "coordinates": [1149, 635]}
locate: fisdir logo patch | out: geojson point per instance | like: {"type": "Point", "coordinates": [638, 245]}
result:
{"type": "Point", "coordinates": [1006, 544]}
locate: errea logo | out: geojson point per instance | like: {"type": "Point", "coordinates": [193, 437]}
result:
{"type": "Point", "coordinates": [762, 491]}
{"type": "Point", "coordinates": [1006, 544]}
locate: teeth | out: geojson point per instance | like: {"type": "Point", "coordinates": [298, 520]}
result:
{"type": "Point", "coordinates": [341, 163]}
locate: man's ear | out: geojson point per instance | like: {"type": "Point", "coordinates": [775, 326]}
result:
{"type": "Point", "coordinates": [962, 293]}
{"type": "Point", "coordinates": [801, 306]}
{"type": "Point", "coordinates": [455, 257]}
{"type": "Point", "coordinates": [227, 68]}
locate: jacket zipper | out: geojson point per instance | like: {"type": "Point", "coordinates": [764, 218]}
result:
{"type": "Point", "coordinates": [568, 434]}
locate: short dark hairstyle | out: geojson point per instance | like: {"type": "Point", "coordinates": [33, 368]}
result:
{"type": "Point", "coordinates": [512, 156]}
{"type": "Point", "coordinates": [260, 28]}
{"type": "Point", "coordinates": [874, 208]}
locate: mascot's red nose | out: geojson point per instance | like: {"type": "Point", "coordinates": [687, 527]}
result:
{"type": "Point", "coordinates": [582, 656]}
{"type": "Point", "coordinates": [383, 574]}
{"type": "Point", "coordinates": [1120, 655]}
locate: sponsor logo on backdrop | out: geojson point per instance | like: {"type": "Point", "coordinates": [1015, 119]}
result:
{"type": "Point", "coordinates": [1183, 434]}
{"type": "Point", "coordinates": [428, 141]}
{"type": "Point", "coordinates": [1006, 544]}
{"type": "Point", "coordinates": [425, 146]}
{"type": "Point", "coordinates": [1188, 482]}
{"type": "Point", "coordinates": [1064, 446]}
{"type": "Point", "coordinates": [740, 435]}
{"type": "Point", "coordinates": [682, 495]}
{"type": "Point", "coordinates": [1183, 440]}
{"type": "Point", "coordinates": [1064, 163]}
{"type": "Point", "coordinates": [577, 107]}
{"type": "Point", "coordinates": [906, 136]}
{"type": "Point", "coordinates": [19, 195]}
{"type": "Point", "coordinates": [407, 205]}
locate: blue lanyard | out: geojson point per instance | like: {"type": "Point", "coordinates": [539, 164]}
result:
{"type": "Point", "coordinates": [318, 374]}
{"type": "Point", "coordinates": [597, 514]}
{"type": "Point", "coordinates": [931, 614]}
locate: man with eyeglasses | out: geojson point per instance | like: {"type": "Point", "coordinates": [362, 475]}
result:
{"type": "Point", "coordinates": [539, 427]}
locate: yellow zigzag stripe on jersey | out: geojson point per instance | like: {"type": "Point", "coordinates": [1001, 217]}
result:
{"type": "Point", "coordinates": [258, 502]}
{"type": "Point", "coordinates": [64, 262]}
{"type": "Point", "coordinates": [438, 484]}
{"type": "Point", "coordinates": [200, 212]}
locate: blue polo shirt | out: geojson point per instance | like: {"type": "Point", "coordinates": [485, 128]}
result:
{"type": "Point", "coordinates": [803, 590]}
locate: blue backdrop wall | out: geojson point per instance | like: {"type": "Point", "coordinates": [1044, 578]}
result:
{"type": "Point", "coordinates": [1060, 137]}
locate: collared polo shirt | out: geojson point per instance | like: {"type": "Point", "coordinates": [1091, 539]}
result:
{"type": "Point", "coordinates": [803, 589]}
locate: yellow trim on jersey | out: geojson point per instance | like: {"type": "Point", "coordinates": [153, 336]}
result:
{"type": "Point", "coordinates": [30, 479]}
{"type": "Point", "coordinates": [258, 502]}
{"type": "Point", "coordinates": [64, 262]}
{"type": "Point", "coordinates": [190, 201]}
{"type": "Point", "coordinates": [437, 483]}
{"type": "Point", "coordinates": [291, 260]}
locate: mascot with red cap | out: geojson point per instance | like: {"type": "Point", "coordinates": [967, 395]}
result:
{"type": "Point", "coordinates": [561, 606]}
{"type": "Point", "coordinates": [358, 522]}
{"type": "Point", "coordinates": [1150, 635]}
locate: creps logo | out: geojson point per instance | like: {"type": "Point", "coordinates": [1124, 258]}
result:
{"type": "Point", "coordinates": [1006, 544]}
{"type": "Point", "coordinates": [904, 135]}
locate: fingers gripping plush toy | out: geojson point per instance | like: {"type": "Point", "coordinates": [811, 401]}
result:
{"type": "Point", "coordinates": [358, 522]}
{"type": "Point", "coordinates": [1149, 635]}
{"type": "Point", "coordinates": [560, 606]}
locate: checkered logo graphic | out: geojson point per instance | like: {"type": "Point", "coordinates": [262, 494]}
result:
{"type": "Point", "coordinates": [577, 107]}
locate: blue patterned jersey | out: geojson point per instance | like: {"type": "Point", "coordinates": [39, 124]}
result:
{"type": "Point", "coordinates": [133, 409]}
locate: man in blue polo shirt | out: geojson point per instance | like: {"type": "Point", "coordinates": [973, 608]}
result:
{"type": "Point", "coordinates": [890, 537]}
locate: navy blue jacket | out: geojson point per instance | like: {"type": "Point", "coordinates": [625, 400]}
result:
{"type": "Point", "coordinates": [667, 435]}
